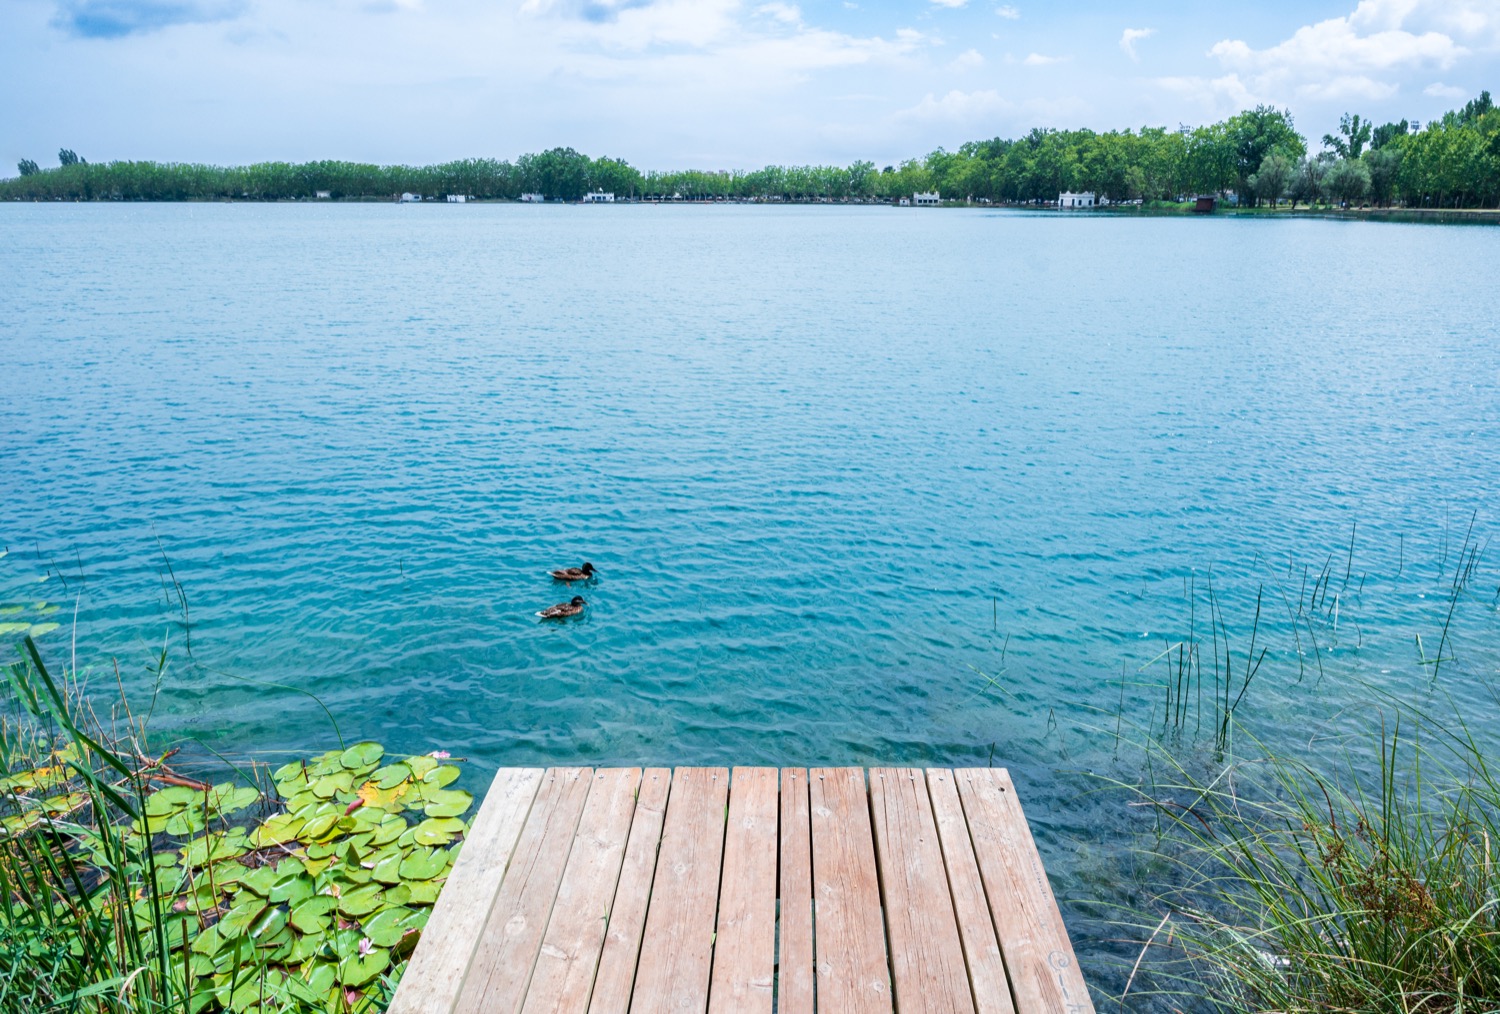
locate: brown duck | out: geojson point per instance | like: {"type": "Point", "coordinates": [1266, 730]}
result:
{"type": "Point", "coordinates": [583, 573]}
{"type": "Point", "coordinates": [563, 610]}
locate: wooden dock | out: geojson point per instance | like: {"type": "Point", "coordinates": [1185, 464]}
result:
{"type": "Point", "coordinates": [794, 890]}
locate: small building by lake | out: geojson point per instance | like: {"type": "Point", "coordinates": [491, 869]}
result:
{"type": "Point", "coordinates": [598, 197]}
{"type": "Point", "coordinates": [1068, 200]}
{"type": "Point", "coordinates": [410, 198]}
{"type": "Point", "coordinates": [532, 198]}
{"type": "Point", "coordinates": [928, 200]}
{"type": "Point", "coordinates": [323, 195]}
{"type": "Point", "coordinates": [458, 198]}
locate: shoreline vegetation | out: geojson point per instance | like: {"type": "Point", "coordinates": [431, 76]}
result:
{"type": "Point", "coordinates": [1255, 159]}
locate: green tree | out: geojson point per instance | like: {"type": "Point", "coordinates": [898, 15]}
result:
{"type": "Point", "coordinates": [1256, 133]}
{"type": "Point", "coordinates": [27, 167]}
{"type": "Point", "coordinates": [1348, 180]}
{"type": "Point", "coordinates": [1387, 133]}
{"type": "Point", "coordinates": [1355, 134]}
{"type": "Point", "coordinates": [1273, 178]}
{"type": "Point", "coordinates": [67, 156]}
{"type": "Point", "coordinates": [1383, 164]}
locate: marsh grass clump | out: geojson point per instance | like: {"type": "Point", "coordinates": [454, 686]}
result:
{"type": "Point", "coordinates": [1369, 886]}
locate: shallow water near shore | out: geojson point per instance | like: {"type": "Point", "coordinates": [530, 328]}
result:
{"type": "Point", "coordinates": [862, 485]}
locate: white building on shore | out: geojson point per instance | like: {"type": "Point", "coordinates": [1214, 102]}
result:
{"type": "Point", "coordinates": [532, 198]}
{"type": "Point", "coordinates": [598, 197]}
{"type": "Point", "coordinates": [410, 198]}
{"type": "Point", "coordinates": [1069, 200]}
{"type": "Point", "coordinates": [928, 200]}
{"type": "Point", "coordinates": [458, 198]}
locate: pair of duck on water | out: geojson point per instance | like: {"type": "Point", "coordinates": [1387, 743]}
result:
{"type": "Point", "coordinates": [563, 610]}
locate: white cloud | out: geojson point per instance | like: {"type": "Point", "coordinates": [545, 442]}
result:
{"type": "Point", "coordinates": [1131, 36]}
{"type": "Point", "coordinates": [1438, 90]}
{"type": "Point", "coordinates": [1214, 98]}
{"type": "Point", "coordinates": [969, 59]}
{"type": "Point", "coordinates": [954, 4]}
{"type": "Point", "coordinates": [957, 107]}
{"type": "Point", "coordinates": [786, 13]}
{"type": "Point", "coordinates": [1039, 60]}
{"type": "Point", "coordinates": [1366, 53]}
{"type": "Point", "coordinates": [1008, 12]}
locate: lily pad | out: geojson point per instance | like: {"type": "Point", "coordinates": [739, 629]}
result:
{"type": "Point", "coordinates": [441, 776]}
{"type": "Point", "coordinates": [38, 629]}
{"type": "Point", "coordinates": [438, 830]}
{"type": "Point", "coordinates": [447, 803]}
{"type": "Point", "coordinates": [386, 927]}
{"type": "Point", "coordinates": [361, 755]}
{"type": "Point", "coordinates": [279, 827]}
{"type": "Point", "coordinates": [362, 968]}
{"type": "Point", "coordinates": [311, 915]}
{"type": "Point", "coordinates": [391, 775]}
{"type": "Point", "coordinates": [361, 901]}
{"type": "Point", "coordinates": [423, 864]}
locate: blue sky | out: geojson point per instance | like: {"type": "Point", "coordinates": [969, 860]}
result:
{"type": "Point", "coordinates": [698, 83]}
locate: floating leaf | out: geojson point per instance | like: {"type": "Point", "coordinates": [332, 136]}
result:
{"type": "Point", "coordinates": [291, 888]}
{"type": "Point", "coordinates": [13, 628]}
{"type": "Point", "coordinates": [447, 803]}
{"type": "Point", "coordinates": [441, 776]}
{"type": "Point", "coordinates": [374, 795]}
{"type": "Point", "coordinates": [326, 786]}
{"type": "Point", "coordinates": [421, 764]}
{"type": "Point", "coordinates": [437, 830]}
{"type": "Point", "coordinates": [392, 775]}
{"type": "Point", "coordinates": [322, 977]}
{"type": "Point", "coordinates": [237, 920]}
{"type": "Point", "coordinates": [229, 798]}
{"type": "Point", "coordinates": [38, 629]}
{"type": "Point", "coordinates": [361, 755]}
{"type": "Point", "coordinates": [278, 827]}
{"type": "Point", "coordinates": [388, 870]}
{"type": "Point", "coordinates": [422, 892]}
{"type": "Point", "coordinates": [260, 880]}
{"type": "Point", "coordinates": [361, 969]}
{"type": "Point", "coordinates": [424, 864]}
{"type": "Point", "coordinates": [311, 915]}
{"type": "Point", "coordinates": [386, 927]}
{"type": "Point", "coordinates": [360, 901]}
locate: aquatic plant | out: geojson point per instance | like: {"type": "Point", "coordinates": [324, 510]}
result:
{"type": "Point", "coordinates": [128, 887]}
{"type": "Point", "coordinates": [1303, 889]}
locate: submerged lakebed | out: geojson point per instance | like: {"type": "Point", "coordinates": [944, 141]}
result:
{"type": "Point", "coordinates": [863, 485]}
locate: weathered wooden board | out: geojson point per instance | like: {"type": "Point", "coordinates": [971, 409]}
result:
{"type": "Point", "coordinates": [744, 971]}
{"type": "Point", "coordinates": [563, 979]}
{"type": "Point", "coordinates": [1039, 959]}
{"type": "Point", "coordinates": [975, 927]}
{"type": "Point", "coordinates": [795, 961]}
{"type": "Point", "coordinates": [627, 920]}
{"type": "Point", "coordinates": [512, 935]}
{"type": "Point", "coordinates": [927, 960]}
{"type": "Point", "coordinates": [436, 970]}
{"type": "Point", "coordinates": [849, 937]}
{"type": "Point", "coordinates": [677, 947]}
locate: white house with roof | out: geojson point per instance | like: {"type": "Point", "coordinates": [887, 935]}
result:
{"type": "Point", "coordinates": [928, 200]}
{"type": "Point", "coordinates": [532, 198]}
{"type": "Point", "coordinates": [458, 198]}
{"type": "Point", "coordinates": [1069, 200]}
{"type": "Point", "coordinates": [598, 197]}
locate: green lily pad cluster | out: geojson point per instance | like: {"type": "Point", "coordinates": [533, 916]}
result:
{"type": "Point", "coordinates": [322, 896]}
{"type": "Point", "coordinates": [41, 793]}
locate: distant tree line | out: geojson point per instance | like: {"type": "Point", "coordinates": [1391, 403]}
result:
{"type": "Point", "coordinates": [1454, 162]}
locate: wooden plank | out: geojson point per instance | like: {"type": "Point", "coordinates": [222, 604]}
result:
{"type": "Point", "coordinates": [564, 976]}
{"type": "Point", "coordinates": [677, 947]}
{"type": "Point", "coordinates": [512, 936]}
{"type": "Point", "coordinates": [744, 970]}
{"type": "Point", "coordinates": [1039, 957]}
{"type": "Point", "coordinates": [927, 962]}
{"type": "Point", "coordinates": [437, 966]}
{"type": "Point", "coordinates": [986, 967]}
{"type": "Point", "coordinates": [627, 919]}
{"type": "Point", "coordinates": [852, 972]}
{"type": "Point", "coordinates": [794, 987]}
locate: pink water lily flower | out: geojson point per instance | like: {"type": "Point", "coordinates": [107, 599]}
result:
{"type": "Point", "coordinates": [440, 754]}
{"type": "Point", "coordinates": [366, 945]}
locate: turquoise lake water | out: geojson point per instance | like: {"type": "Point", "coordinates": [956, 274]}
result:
{"type": "Point", "coordinates": [862, 485]}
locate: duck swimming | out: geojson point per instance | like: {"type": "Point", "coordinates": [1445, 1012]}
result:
{"type": "Point", "coordinates": [563, 610]}
{"type": "Point", "coordinates": [583, 573]}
